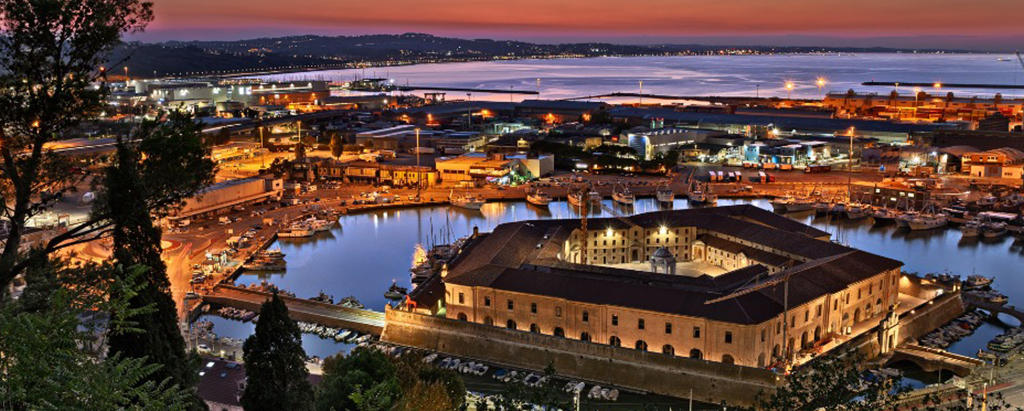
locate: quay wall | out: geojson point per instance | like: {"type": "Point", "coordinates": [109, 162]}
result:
{"type": "Point", "coordinates": [930, 316]}
{"type": "Point", "coordinates": [656, 373]}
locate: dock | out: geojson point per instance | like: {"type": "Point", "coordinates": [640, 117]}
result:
{"type": "Point", "coordinates": [330, 315]}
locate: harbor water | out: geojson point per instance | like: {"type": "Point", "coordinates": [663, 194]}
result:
{"type": "Point", "coordinates": [764, 75]}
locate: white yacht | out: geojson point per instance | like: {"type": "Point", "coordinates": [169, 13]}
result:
{"type": "Point", "coordinates": [970, 229]}
{"type": "Point", "coordinates": [538, 198]}
{"type": "Point", "coordinates": [296, 231]}
{"type": "Point", "coordinates": [624, 197]}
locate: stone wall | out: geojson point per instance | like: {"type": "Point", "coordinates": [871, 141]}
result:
{"type": "Point", "coordinates": [930, 316]}
{"type": "Point", "coordinates": [627, 368]}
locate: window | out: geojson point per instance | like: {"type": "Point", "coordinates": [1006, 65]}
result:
{"type": "Point", "coordinates": [585, 337]}
{"type": "Point", "coordinates": [819, 311]}
{"type": "Point", "coordinates": [559, 332]}
{"type": "Point", "coordinates": [696, 332]}
{"type": "Point", "coordinates": [533, 308]}
{"type": "Point", "coordinates": [668, 350]}
{"type": "Point", "coordinates": [668, 328]}
{"type": "Point", "coordinates": [614, 341]}
{"type": "Point", "coordinates": [586, 317]}
{"type": "Point", "coordinates": [615, 319]}
{"type": "Point", "coordinates": [778, 328]}
{"type": "Point", "coordinates": [728, 337]}
{"type": "Point", "coordinates": [534, 328]}
{"type": "Point", "coordinates": [807, 315]}
{"type": "Point", "coordinates": [558, 311]}
{"type": "Point", "coordinates": [462, 317]}
{"type": "Point", "coordinates": [487, 301]}
{"type": "Point", "coordinates": [641, 345]}
{"type": "Point", "coordinates": [764, 334]}
{"type": "Point", "coordinates": [511, 305]}
{"type": "Point", "coordinates": [640, 324]}
{"type": "Point", "coordinates": [462, 298]}
{"type": "Point", "coordinates": [510, 325]}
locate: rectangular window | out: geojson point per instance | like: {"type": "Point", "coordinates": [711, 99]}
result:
{"type": "Point", "coordinates": [511, 305]}
{"type": "Point", "coordinates": [615, 319]}
{"type": "Point", "coordinates": [807, 315]}
{"type": "Point", "coordinates": [558, 311]}
{"type": "Point", "coordinates": [696, 332]}
{"type": "Point", "coordinates": [819, 310]}
{"type": "Point", "coordinates": [462, 298]}
{"type": "Point", "coordinates": [640, 324]}
{"type": "Point", "coordinates": [533, 308]}
{"type": "Point", "coordinates": [728, 337]}
{"type": "Point", "coordinates": [487, 301]}
{"type": "Point", "coordinates": [668, 328]}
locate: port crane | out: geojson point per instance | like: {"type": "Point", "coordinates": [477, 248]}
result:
{"type": "Point", "coordinates": [586, 202]}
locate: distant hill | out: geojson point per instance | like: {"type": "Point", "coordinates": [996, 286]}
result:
{"type": "Point", "coordinates": [268, 54]}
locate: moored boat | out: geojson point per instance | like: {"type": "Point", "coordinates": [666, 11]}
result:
{"type": "Point", "coordinates": [993, 229]}
{"type": "Point", "coordinates": [970, 229]}
{"type": "Point", "coordinates": [538, 198]}
{"type": "Point", "coordinates": [466, 201]}
{"type": "Point", "coordinates": [929, 222]}
{"type": "Point", "coordinates": [665, 195]}
{"type": "Point", "coordinates": [624, 197]}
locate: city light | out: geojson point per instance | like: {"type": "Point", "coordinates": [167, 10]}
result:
{"type": "Point", "coordinates": [937, 85]}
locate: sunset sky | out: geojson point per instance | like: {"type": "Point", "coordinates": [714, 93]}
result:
{"type": "Point", "coordinates": [978, 22]}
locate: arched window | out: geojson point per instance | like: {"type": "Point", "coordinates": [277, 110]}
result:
{"type": "Point", "coordinates": [462, 317]}
{"type": "Point", "coordinates": [695, 353]}
{"type": "Point", "coordinates": [510, 325]}
{"type": "Point", "coordinates": [775, 351]}
{"type": "Point", "coordinates": [559, 332]}
{"type": "Point", "coordinates": [727, 359]}
{"type": "Point", "coordinates": [534, 328]}
{"type": "Point", "coordinates": [614, 341]}
{"type": "Point", "coordinates": [760, 361]}
{"type": "Point", "coordinates": [803, 340]}
{"type": "Point", "coordinates": [878, 305]}
{"type": "Point", "coordinates": [585, 337]}
{"type": "Point", "coordinates": [667, 349]}
{"type": "Point", "coordinates": [586, 317]}
{"type": "Point", "coordinates": [641, 345]}
{"type": "Point", "coordinates": [488, 321]}
{"type": "Point", "coordinates": [817, 333]}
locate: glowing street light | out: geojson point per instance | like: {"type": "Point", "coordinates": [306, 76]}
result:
{"type": "Point", "coordinates": [937, 85]}
{"type": "Point", "coordinates": [789, 89]}
{"type": "Point", "coordinates": [821, 86]}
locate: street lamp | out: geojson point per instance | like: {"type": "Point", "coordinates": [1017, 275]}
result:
{"type": "Point", "coordinates": [821, 85]}
{"type": "Point", "coordinates": [641, 92]}
{"type": "Point", "coordinates": [789, 89]}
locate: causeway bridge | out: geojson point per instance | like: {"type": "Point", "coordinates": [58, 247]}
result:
{"type": "Point", "coordinates": [933, 359]}
{"type": "Point", "coordinates": [330, 315]}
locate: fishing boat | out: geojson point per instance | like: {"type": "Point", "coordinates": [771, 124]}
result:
{"type": "Point", "coordinates": [665, 194]}
{"type": "Point", "coordinates": [321, 225]}
{"type": "Point", "coordinates": [903, 220]}
{"type": "Point", "coordinates": [822, 207]}
{"type": "Point", "coordinates": [466, 201]}
{"type": "Point", "coordinates": [857, 211]}
{"type": "Point", "coordinates": [929, 222]}
{"type": "Point", "coordinates": [993, 229]}
{"type": "Point", "coordinates": [780, 204]}
{"type": "Point", "coordinates": [274, 254]}
{"type": "Point", "coordinates": [884, 215]}
{"type": "Point", "coordinates": [1011, 204]}
{"type": "Point", "coordinates": [595, 197]}
{"type": "Point", "coordinates": [987, 200]}
{"type": "Point", "coordinates": [797, 205]}
{"type": "Point", "coordinates": [975, 281]}
{"type": "Point", "coordinates": [538, 198]}
{"type": "Point", "coordinates": [710, 197]}
{"type": "Point", "coordinates": [323, 298]}
{"type": "Point", "coordinates": [970, 229]}
{"type": "Point", "coordinates": [624, 197]}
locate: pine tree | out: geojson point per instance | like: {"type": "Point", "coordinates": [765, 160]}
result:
{"type": "Point", "coordinates": [137, 243]}
{"type": "Point", "coordinates": [275, 363]}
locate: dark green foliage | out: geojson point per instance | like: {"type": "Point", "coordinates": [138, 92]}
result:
{"type": "Point", "coordinates": [49, 54]}
{"type": "Point", "coordinates": [275, 363]}
{"type": "Point", "coordinates": [337, 146]}
{"type": "Point", "coordinates": [368, 373]}
{"type": "Point", "coordinates": [48, 350]}
{"type": "Point", "coordinates": [174, 168]}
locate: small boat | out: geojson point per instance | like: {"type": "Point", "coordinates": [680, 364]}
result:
{"type": "Point", "coordinates": [323, 298]}
{"type": "Point", "coordinates": [395, 292]}
{"type": "Point", "coordinates": [624, 197]}
{"type": "Point", "coordinates": [975, 281]}
{"type": "Point", "coordinates": [971, 229]}
{"type": "Point", "coordinates": [780, 205]}
{"type": "Point", "coordinates": [903, 220]}
{"type": "Point", "coordinates": [987, 200]}
{"type": "Point", "coordinates": [665, 194]}
{"type": "Point", "coordinates": [711, 198]}
{"type": "Point", "coordinates": [466, 201]}
{"type": "Point", "coordinates": [799, 204]}
{"type": "Point", "coordinates": [993, 229]}
{"type": "Point", "coordinates": [273, 254]}
{"type": "Point", "coordinates": [264, 265]}
{"type": "Point", "coordinates": [838, 209]}
{"type": "Point", "coordinates": [321, 225]}
{"type": "Point", "coordinates": [929, 222]}
{"type": "Point", "coordinates": [595, 197]}
{"type": "Point", "coordinates": [857, 211]}
{"type": "Point", "coordinates": [822, 207]}
{"type": "Point", "coordinates": [884, 215]}
{"type": "Point", "coordinates": [351, 302]}
{"type": "Point", "coordinates": [538, 198]}
{"type": "Point", "coordinates": [697, 197]}
{"type": "Point", "coordinates": [296, 231]}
